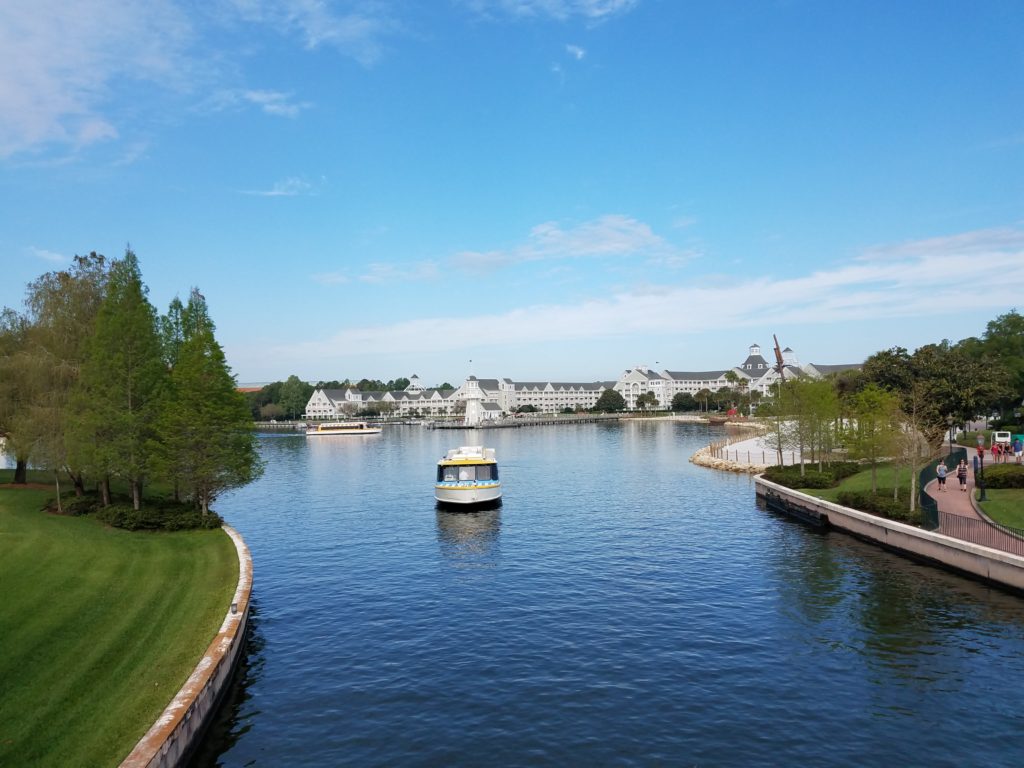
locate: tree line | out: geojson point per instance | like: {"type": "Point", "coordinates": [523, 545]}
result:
{"type": "Point", "coordinates": [95, 386]}
{"type": "Point", "coordinates": [903, 405]}
{"type": "Point", "coordinates": [287, 399]}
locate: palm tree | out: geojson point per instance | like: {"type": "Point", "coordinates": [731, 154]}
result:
{"type": "Point", "coordinates": [704, 395]}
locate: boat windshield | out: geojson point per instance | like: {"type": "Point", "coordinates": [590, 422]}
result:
{"type": "Point", "coordinates": [467, 472]}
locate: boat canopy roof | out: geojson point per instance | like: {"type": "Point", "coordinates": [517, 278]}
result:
{"type": "Point", "coordinates": [469, 454]}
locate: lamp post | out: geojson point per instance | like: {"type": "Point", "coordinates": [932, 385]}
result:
{"type": "Point", "coordinates": [949, 422]}
{"type": "Point", "coordinates": [979, 479]}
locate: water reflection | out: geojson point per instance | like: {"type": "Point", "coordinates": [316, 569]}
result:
{"type": "Point", "coordinates": [891, 617]}
{"type": "Point", "coordinates": [469, 539]}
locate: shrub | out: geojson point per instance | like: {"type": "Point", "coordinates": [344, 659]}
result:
{"type": "Point", "coordinates": [843, 469]}
{"type": "Point", "coordinates": [1004, 476]}
{"type": "Point", "coordinates": [881, 504]}
{"type": "Point", "coordinates": [831, 474]}
{"type": "Point", "coordinates": [80, 505]}
{"type": "Point", "coordinates": [158, 516]}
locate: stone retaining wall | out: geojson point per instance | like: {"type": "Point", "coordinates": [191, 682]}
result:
{"type": "Point", "coordinates": [177, 731]}
{"type": "Point", "coordinates": [990, 565]}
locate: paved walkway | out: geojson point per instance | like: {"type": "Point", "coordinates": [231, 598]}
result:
{"type": "Point", "coordinates": [953, 500]}
{"type": "Point", "coordinates": [969, 524]}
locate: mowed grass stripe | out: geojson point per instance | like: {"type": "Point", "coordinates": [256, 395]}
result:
{"type": "Point", "coordinates": [105, 627]}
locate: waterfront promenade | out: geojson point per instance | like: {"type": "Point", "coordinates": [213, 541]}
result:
{"type": "Point", "coordinates": [960, 516]}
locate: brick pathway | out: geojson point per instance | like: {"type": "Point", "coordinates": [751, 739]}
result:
{"type": "Point", "coordinates": [973, 527]}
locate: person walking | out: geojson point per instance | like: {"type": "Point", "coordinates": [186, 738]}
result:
{"type": "Point", "coordinates": [940, 472]}
{"type": "Point", "coordinates": [1018, 448]}
{"type": "Point", "coordinates": [961, 474]}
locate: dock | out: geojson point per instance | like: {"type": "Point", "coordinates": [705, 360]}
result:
{"type": "Point", "coordinates": [528, 421]}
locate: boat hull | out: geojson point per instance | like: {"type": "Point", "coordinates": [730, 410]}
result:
{"type": "Point", "coordinates": [467, 494]}
{"type": "Point", "coordinates": [343, 433]}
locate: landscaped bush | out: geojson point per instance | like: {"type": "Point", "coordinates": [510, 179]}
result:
{"type": "Point", "coordinates": [1004, 476]}
{"type": "Point", "coordinates": [80, 505]}
{"type": "Point", "coordinates": [840, 470]}
{"type": "Point", "coordinates": [831, 474]}
{"type": "Point", "coordinates": [166, 516]}
{"type": "Point", "coordinates": [882, 504]}
{"type": "Point", "coordinates": [790, 477]}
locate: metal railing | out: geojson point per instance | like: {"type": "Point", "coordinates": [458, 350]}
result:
{"type": "Point", "coordinates": [930, 507]}
{"type": "Point", "coordinates": [1001, 537]}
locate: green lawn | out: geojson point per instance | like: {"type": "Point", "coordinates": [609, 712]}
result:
{"type": "Point", "coordinates": [99, 628]}
{"type": "Point", "coordinates": [886, 477]}
{"type": "Point", "coordinates": [1005, 506]}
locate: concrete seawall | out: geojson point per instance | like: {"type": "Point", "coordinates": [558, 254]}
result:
{"type": "Point", "coordinates": [990, 565]}
{"type": "Point", "coordinates": [178, 729]}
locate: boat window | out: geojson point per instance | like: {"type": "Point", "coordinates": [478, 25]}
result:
{"type": "Point", "coordinates": [483, 472]}
{"type": "Point", "coordinates": [447, 474]}
{"type": "Point", "coordinates": [467, 473]}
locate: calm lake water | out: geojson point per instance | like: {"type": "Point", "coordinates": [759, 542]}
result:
{"type": "Point", "coordinates": [623, 607]}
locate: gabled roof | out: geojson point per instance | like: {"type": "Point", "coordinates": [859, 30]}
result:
{"type": "Point", "coordinates": [695, 375]}
{"type": "Point", "coordinates": [753, 361]}
{"type": "Point", "coordinates": [334, 394]}
{"type": "Point", "coordinates": [825, 370]}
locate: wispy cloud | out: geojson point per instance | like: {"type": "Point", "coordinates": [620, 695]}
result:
{"type": "Point", "coordinates": [61, 60]}
{"type": "Point", "coordinates": [48, 256]}
{"type": "Point", "coordinates": [289, 187]}
{"type": "Point", "coordinates": [66, 65]}
{"type": "Point", "coordinates": [331, 278]}
{"type": "Point", "coordinates": [915, 280]}
{"type": "Point", "coordinates": [273, 103]}
{"type": "Point", "coordinates": [356, 32]}
{"type": "Point", "coordinates": [385, 273]}
{"type": "Point", "coordinates": [380, 273]}
{"type": "Point", "coordinates": [966, 244]}
{"type": "Point", "coordinates": [592, 10]}
{"type": "Point", "coordinates": [606, 236]}
{"type": "Point", "coordinates": [575, 51]}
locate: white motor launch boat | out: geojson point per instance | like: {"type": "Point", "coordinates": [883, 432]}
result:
{"type": "Point", "coordinates": [468, 476]}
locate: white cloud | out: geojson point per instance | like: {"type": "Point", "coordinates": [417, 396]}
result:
{"type": "Point", "coordinates": [606, 236]}
{"type": "Point", "coordinates": [331, 278]}
{"type": "Point", "coordinates": [49, 256]}
{"type": "Point", "coordinates": [61, 58]}
{"type": "Point", "coordinates": [592, 10]}
{"type": "Point", "coordinates": [921, 279]}
{"type": "Point", "coordinates": [289, 187]}
{"type": "Point", "coordinates": [271, 102]}
{"type": "Point", "coordinates": [356, 32]}
{"type": "Point", "coordinates": [390, 273]}
{"type": "Point", "coordinates": [575, 51]}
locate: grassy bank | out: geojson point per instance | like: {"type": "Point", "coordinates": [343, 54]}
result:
{"type": "Point", "coordinates": [1005, 506]}
{"type": "Point", "coordinates": [887, 476]}
{"type": "Point", "coordinates": [98, 628]}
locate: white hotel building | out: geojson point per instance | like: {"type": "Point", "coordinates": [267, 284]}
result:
{"type": "Point", "coordinates": [500, 397]}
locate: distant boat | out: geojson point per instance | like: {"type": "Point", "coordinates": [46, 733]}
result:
{"type": "Point", "coordinates": [468, 476]}
{"type": "Point", "coordinates": [341, 428]}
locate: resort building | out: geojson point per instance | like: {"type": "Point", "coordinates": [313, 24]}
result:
{"type": "Point", "coordinates": [494, 398]}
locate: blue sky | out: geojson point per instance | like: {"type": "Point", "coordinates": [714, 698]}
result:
{"type": "Point", "coordinates": [553, 189]}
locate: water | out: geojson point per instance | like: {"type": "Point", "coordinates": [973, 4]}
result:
{"type": "Point", "coordinates": [622, 607]}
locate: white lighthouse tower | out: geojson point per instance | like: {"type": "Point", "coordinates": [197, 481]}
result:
{"type": "Point", "coordinates": [474, 409]}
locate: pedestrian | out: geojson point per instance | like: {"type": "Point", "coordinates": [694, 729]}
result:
{"type": "Point", "coordinates": [1018, 448]}
{"type": "Point", "coordinates": [961, 474]}
{"type": "Point", "coordinates": [940, 473]}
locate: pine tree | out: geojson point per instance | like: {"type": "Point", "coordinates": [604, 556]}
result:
{"type": "Point", "coordinates": [206, 442]}
{"type": "Point", "coordinates": [121, 382]}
